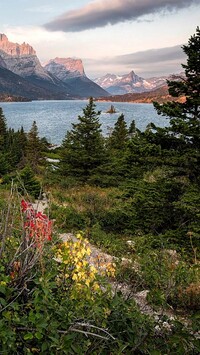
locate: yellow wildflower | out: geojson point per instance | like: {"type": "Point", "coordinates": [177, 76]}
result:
{"type": "Point", "coordinates": [3, 283]}
{"type": "Point", "coordinates": [87, 282]}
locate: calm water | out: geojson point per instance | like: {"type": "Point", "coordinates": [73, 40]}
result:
{"type": "Point", "coordinates": [54, 118]}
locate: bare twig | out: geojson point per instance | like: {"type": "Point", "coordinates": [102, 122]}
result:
{"type": "Point", "coordinates": [94, 327]}
{"type": "Point", "coordinates": [71, 329]}
{"type": "Point", "coordinates": [86, 333]}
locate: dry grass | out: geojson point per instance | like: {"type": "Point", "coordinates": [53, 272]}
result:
{"type": "Point", "coordinates": [86, 198]}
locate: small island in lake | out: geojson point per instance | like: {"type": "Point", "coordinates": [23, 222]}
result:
{"type": "Point", "coordinates": [111, 110]}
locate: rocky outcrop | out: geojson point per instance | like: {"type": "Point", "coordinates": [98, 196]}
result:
{"type": "Point", "coordinates": [21, 59]}
{"type": "Point", "coordinates": [71, 72]}
{"type": "Point", "coordinates": [65, 68]}
{"type": "Point", "coordinates": [25, 66]}
{"type": "Point", "coordinates": [15, 49]}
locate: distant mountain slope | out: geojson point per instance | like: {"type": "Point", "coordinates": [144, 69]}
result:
{"type": "Point", "coordinates": [160, 95]}
{"type": "Point", "coordinates": [65, 68]}
{"type": "Point", "coordinates": [13, 84]}
{"type": "Point", "coordinates": [2, 62]}
{"type": "Point", "coordinates": [71, 72]}
{"type": "Point", "coordinates": [129, 83]}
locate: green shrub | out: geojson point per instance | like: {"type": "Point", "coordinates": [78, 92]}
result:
{"type": "Point", "coordinates": [112, 243]}
{"type": "Point", "coordinates": [169, 279]}
{"type": "Point", "coordinates": [68, 218]}
{"type": "Point", "coordinates": [28, 183]}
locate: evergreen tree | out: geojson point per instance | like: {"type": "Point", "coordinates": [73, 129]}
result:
{"type": "Point", "coordinates": [183, 134]}
{"type": "Point", "coordinates": [21, 140]}
{"type": "Point", "coordinates": [45, 144]}
{"type": "Point", "coordinates": [185, 116]}
{"type": "Point", "coordinates": [17, 145]}
{"type": "Point", "coordinates": [33, 148]}
{"type": "Point", "coordinates": [114, 169]}
{"type": "Point", "coordinates": [132, 129]}
{"type": "Point", "coordinates": [28, 183]}
{"type": "Point", "coordinates": [4, 165]}
{"type": "Point", "coordinates": [3, 131]}
{"type": "Point", "coordinates": [119, 135]}
{"type": "Point", "coordinates": [83, 147]}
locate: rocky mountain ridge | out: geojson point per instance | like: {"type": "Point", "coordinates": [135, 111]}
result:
{"type": "Point", "coordinates": [21, 59]}
{"type": "Point", "coordinates": [129, 83]}
{"type": "Point", "coordinates": [65, 78]}
{"type": "Point", "coordinates": [65, 68]}
{"type": "Point", "coordinates": [62, 78]}
{"type": "Point", "coordinates": [14, 49]}
{"type": "Point", "coordinates": [71, 72]}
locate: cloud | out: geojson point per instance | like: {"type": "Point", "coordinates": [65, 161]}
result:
{"type": "Point", "coordinates": [100, 13]}
{"type": "Point", "coordinates": [153, 62]}
{"type": "Point", "coordinates": [153, 56]}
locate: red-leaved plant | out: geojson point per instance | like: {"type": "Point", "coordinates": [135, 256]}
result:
{"type": "Point", "coordinates": [37, 225]}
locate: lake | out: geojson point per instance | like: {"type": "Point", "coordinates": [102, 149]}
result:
{"type": "Point", "coordinates": [54, 118]}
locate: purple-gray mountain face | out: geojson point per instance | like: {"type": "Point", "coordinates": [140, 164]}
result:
{"type": "Point", "coordinates": [2, 62]}
{"type": "Point", "coordinates": [129, 83]}
{"type": "Point", "coordinates": [71, 72]}
{"type": "Point", "coordinates": [65, 68]}
{"type": "Point", "coordinates": [60, 79]}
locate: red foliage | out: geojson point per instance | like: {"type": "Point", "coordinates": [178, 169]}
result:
{"type": "Point", "coordinates": [36, 224]}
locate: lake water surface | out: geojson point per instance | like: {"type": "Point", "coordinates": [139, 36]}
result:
{"type": "Point", "coordinates": [54, 118]}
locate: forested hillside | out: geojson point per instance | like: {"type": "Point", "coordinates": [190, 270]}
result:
{"type": "Point", "coordinates": [134, 194]}
{"type": "Point", "coordinates": [160, 95]}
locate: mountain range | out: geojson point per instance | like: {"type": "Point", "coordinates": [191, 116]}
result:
{"type": "Point", "coordinates": [129, 83]}
{"type": "Point", "coordinates": [21, 74]}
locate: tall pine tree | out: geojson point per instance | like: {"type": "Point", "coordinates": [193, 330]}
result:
{"type": "Point", "coordinates": [83, 146]}
{"type": "Point", "coordinates": [33, 148]}
{"type": "Point", "coordinates": [4, 163]}
{"type": "Point", "coordinates": [3, 131]}
{"type": "Point", "coordinates": [119, 135]}
{"type": "Point", "coordinates": [183, 133]}
{"type": "Point", "coordinates": [17, 146]}
{"type": "Point", "coordinates": [185, 116]}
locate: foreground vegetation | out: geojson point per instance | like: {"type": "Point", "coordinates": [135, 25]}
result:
{"type": "Point", "coordinates": [135, 195]}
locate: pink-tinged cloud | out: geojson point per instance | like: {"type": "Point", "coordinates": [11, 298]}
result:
{"type": "Point", "coordinates": [148, 63]}
{"type": "Point", "coordinates": [100, 13]}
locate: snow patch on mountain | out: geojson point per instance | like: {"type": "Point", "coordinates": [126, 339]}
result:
{"type": "Point", "coordinates": [129, 83]}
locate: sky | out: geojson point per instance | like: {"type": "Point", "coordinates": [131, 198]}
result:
{"type": "Point", "coordinates": [110, 36]}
